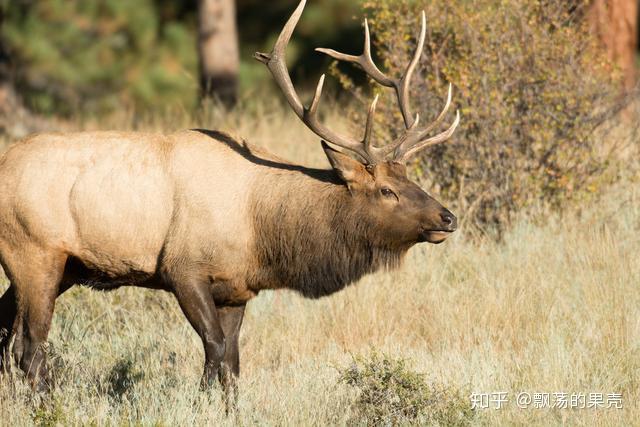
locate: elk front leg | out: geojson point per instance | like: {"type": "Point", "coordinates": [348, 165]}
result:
{"type": "Point", "coordinates": [35, 275]}
{"type": "Point", "coordinates": [199, 308]}
{"type": "Point", "coordinates": [231, 321]}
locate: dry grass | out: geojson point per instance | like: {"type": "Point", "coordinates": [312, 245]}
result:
{"type": "Point", "coordinates": [554, 308]}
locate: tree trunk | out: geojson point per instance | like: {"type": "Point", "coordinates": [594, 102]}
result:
{"type": "Point", "coordinates": [616, 24]}
{"type": "Point", "coordinates": [218, 50]}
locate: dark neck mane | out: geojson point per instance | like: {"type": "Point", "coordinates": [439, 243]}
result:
{"type": "Point", "coordinates": [311, 237]}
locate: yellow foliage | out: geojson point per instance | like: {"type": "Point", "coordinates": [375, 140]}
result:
{"type": "Point", "coordinates": [531, 85]}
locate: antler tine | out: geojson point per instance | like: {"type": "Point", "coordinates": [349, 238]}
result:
{"type": "Point", "coordinates": [417, 144]}
{"type": "Point", "coordinates": [316, 96]}
{"type": "Point", "coordinates": [366, 140]}
{"type": "Point", "coordinates": [275, 61]}
{"type": "Point", "coordinates": [407, 135]}
{"type": "Point", "coordinates": [405, 143]}
{"type": "Point", "coordinates": [402, 87]}
{"type": "Point", "coordinates": [442, 114]}
{"type": "Point", "coordinates": [364, 60]}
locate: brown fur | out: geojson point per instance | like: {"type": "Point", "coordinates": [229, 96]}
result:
{"type": "Point", "coordinates": [315, 245]}
{"type": "Point", "coordinates": [198, 214]}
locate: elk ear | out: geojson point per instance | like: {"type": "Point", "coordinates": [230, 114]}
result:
{"type": "Point", "coordinates": [351, 171]}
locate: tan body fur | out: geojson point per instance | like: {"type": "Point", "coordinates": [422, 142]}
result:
{"type": "Point", "coordinates": [84, 195]}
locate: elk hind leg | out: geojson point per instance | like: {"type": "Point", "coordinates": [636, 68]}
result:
{"type": "Point", "coordinates": [231, 322]}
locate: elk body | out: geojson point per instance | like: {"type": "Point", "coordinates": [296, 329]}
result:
{"type": "Point", "coordinates": [210, 219]}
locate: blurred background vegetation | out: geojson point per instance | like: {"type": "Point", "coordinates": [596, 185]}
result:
{"type": "Point", "coordinates": [545, 88]}
{"type": "Point", "coordinates": [72, 56]}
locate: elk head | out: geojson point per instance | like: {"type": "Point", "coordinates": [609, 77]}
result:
{"type": "Point", "coordinates": [377, 176]}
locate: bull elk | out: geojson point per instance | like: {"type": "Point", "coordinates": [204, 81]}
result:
{"type": "Point", "coordinates": [208, 218]}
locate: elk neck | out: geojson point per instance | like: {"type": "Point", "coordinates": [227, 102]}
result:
{"type": "Point", "coordinates": [311, 235]}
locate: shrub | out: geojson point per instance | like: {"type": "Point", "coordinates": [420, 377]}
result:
{"type": "Point", "coordinates": [48, 412]}
{"type": "Point", "coordinates": [389, 393]}
{"type": "Point", "coordinates": [122, 379]}
{"type": "Point", "coordinates": [531, 86]}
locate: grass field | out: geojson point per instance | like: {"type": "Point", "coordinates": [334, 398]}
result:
{"type": "Point", "coordinates": [553, 308]}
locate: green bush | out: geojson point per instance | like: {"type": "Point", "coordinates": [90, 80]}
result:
{"type": "Point", "coordinates": [389, 394]}
{"type": "Point", "coordinates": [531, 86]}
{"type": "Point", "coordinates": [95, 56]}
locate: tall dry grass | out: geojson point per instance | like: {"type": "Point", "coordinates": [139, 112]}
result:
{"type": "Point", "coordinates": [555, 307]}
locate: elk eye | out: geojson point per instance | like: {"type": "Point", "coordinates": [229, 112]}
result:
{"type": "Point", "coordinates": [387, 192]}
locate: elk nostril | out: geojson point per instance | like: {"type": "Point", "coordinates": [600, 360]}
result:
{"type": "Point", "coordinates": [448, 219]}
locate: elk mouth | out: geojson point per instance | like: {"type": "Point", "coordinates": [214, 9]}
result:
{"type": "Point", "coordinates": [434, 236]}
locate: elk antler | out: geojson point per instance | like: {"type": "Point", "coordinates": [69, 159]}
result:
{"type": "Point", "coordinates": [410, 142]}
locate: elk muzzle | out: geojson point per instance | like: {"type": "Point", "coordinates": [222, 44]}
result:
{"type": "Point", "coordinates": [448, 223]}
